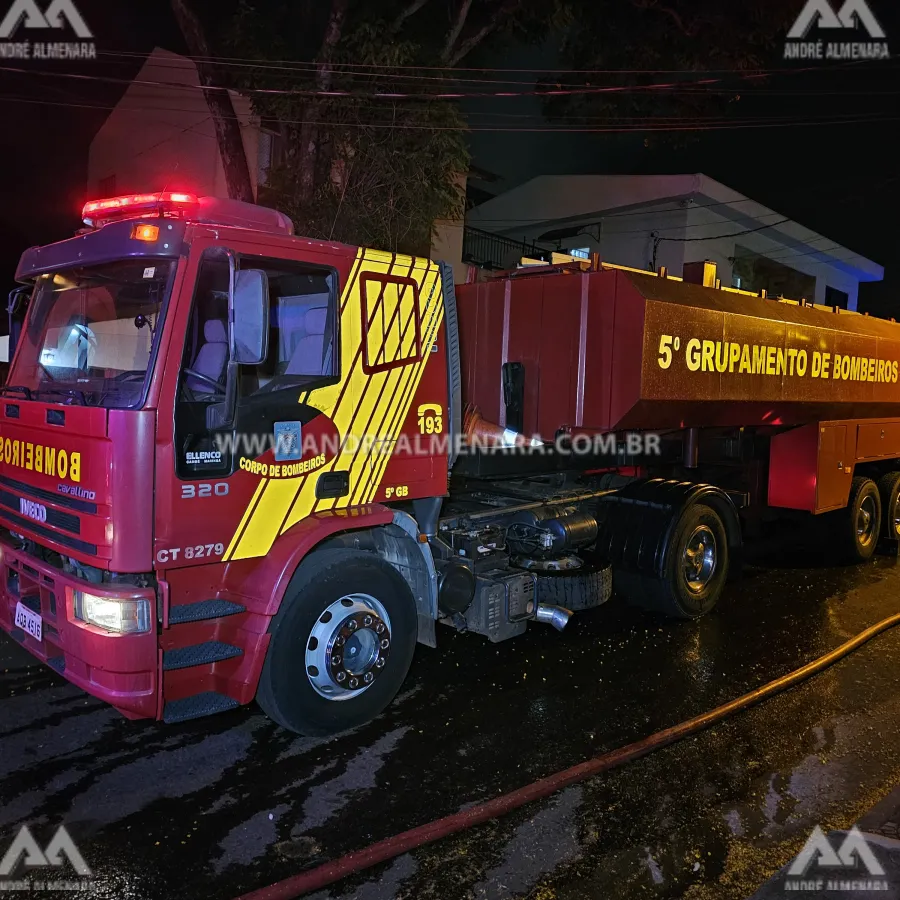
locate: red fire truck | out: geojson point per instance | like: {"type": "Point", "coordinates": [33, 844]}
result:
{"type": "Point", "coordinates": [231, 467]}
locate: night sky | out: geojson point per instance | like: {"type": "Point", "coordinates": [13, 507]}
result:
{"type": "Point", "coordinates": [841, 180]}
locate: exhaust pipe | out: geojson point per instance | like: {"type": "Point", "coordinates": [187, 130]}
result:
{"type": "Point", "coordinates": [557, 616]}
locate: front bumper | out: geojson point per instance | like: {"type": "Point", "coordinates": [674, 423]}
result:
{"type": "Point", "coordinates": [122, 670]}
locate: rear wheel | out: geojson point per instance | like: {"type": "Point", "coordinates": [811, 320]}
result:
{"type": "Point", "coordinates": [857, 527]}
{"type": "Point", "coordinates": [341, 644]}
{"type": "Point", "coordinates": [695, 568]}
{"type": "Point", "coordinates": [889, 491]}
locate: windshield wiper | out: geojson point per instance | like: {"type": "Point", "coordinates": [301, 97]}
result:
{"type": "Point", "coordinates": [66, 392]}
{"type": "Point", "coordinates": [16, 387]}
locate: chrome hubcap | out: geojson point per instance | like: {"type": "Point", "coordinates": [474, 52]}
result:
{"type": "Point", "coordinates": [348, 647]}
{"type": "Point", "coordinates": [699, 559]}
{"type": "Point", "coordinates": [865, 521]}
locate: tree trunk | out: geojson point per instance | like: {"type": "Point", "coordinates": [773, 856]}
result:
{"type": "Point", "coordinates": [221, 109]}
{"type": "Point", "coordinates": [310, 160]}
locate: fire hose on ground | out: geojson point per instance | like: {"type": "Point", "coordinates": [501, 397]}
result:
{"type": "Point", "coordinates": [331, 872]}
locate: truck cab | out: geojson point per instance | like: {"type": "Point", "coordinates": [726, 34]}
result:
{"type": "Point", "coordinates": [197, 400]}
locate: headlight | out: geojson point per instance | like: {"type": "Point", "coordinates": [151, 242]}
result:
{"type": "Point", "coordinates": [129, 616]}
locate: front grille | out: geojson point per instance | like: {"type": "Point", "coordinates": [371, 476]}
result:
{"type": "Point", "coordinates": [20, 487]}
{"type": "Point", "coordinates": [21, 524]}
{"type": "Point", "coordinates": [55, 517]}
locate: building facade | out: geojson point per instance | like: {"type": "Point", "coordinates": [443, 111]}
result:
{"type": "Point", "coordinates": [666, 220]}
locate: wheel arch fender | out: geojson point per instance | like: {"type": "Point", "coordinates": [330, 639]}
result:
{"type": "Point", "coordinates": [391, 534]}
{"type": "Point", "coordinates": [398, 543]}
{"type": "Point", "coordinates": [275, 571]}
{"type": "Point", "coordinates": [720, 502]}
{"type": "Point", "coordinates": [638, 522]}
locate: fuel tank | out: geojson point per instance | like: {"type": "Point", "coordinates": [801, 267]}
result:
{"type": "Point", "coordinates": [617, 349]}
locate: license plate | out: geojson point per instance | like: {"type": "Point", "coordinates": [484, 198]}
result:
{"type": "Point", "coordinates": [29, 622]}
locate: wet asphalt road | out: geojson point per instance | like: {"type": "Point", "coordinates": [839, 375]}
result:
{"type": "Point", "coordinates": [224, 805]}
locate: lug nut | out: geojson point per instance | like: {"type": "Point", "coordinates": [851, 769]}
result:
{"type": "Point", "coordinates": [379, 664]}
{"type": "Point", "coordinates": [338, 641]}
{"type": "Point", "coordinates": [367, 621]}
{"type": "Point", "coordinates": [368, 677]}
{"type": "Point", "coordinates": [336, 660]}
{"type": "Point", "coordinates": [354, 682]}
{"type": "Point", "coordinates": [341, 676]}
{"type": "Point", "coordinates": [385, 644]}
{"type": "Point", "coordinates": [352, 625]}
{"type": "Point", "coordinates": [379, 628]}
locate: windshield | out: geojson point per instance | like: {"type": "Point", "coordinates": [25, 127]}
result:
{"type": "Point", "coordinates": [91, 333]}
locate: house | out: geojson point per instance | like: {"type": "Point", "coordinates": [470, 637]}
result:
{"type": "Point", "coordinates": [648, 221]}
{"type": "Point", "coordinates": [160, 136]}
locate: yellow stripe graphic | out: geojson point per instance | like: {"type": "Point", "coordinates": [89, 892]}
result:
{"type": "Point", "coordinates": [373, 406]}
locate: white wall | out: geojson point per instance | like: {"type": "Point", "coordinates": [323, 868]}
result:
{"type": "Point", "coordinates": [622, 238]}
{"type": "Point", "coordinates": [710, 222]}
{"type": "Point", "coordinates": [162, 137]}
{"type": "Point", "coordinates": [447, 241]}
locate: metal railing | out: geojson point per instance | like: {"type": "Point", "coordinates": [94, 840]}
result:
{"type": "Point", "coordinates": [493, 251]}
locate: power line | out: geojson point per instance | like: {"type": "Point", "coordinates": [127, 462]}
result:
{"type": "Point", "coordinates": [715, 237]}
{"type": "Point", "coordinates": [381, 95]}
{"type": "Point", "coordinates": [636, 127]}
{"type": "Point", "coordinates": [288, 64]}
{"type": "Point", "coordinates": [187, 64]}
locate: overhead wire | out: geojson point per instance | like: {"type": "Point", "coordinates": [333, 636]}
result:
{"type": "Point", "coordinates": [376, 94]}
{"type": "Point", "coordinates": [640, 126]}
{"type": "Point", "coordinates": [285, 63]}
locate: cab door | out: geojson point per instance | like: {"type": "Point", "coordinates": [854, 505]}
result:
{"type": "Point", "coordinates": [220, 487]}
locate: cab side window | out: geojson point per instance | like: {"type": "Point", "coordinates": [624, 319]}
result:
{"type": "Point", "coordinates": [302, 328]}
{"type": "Point", "coordinates": [206, 344]}
{"type": "Point", "coordinates": [302, 354]}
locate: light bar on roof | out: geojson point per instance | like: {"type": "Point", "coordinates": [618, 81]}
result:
{"type": "Point", "coordinates": [96, 212]}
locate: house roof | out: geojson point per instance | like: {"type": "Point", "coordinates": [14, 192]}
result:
{"type": "Point", "coordinates": [563, 199]}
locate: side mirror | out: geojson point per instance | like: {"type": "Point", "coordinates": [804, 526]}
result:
{"type": "Point", "coordinates": [248, 311]}
{"type": "Point", "coordinates": [250, 317]}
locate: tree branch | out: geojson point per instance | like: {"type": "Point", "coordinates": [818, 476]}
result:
{"type": "Point", "coordinates": [674, 15]}
{"type": "Point", "coordinates": [405, 13]}
{"type": "Point", "coordinates": [225, 120]}
{"type": "Point", "coordinates": [471, 42]}
{"type": "Point", "coordinates": [455, 29]}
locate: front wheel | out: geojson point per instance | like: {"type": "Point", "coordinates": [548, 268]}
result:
{"type": "Point", "coordinates": [341, 644]}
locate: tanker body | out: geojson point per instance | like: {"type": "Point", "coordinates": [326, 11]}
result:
{"type": "Point", "coordinates": [657, 386]}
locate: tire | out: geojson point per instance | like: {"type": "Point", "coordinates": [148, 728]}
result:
{"type": "Point", "coordinates": [686, 591]}
{"type": "Point", "coordinates": [889, 491]}
{"type": "Point", "coordinates": [377, 594]}
{"type": "Point", "coordinates": [582, 589]}
{"type": "Point", "coordinates": [857, 528]}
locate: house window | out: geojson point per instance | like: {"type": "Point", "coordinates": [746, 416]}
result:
{"type": "Point", "coordinates": [390, 322]}
{"type": "Point", "coordinates": [834, 297]}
